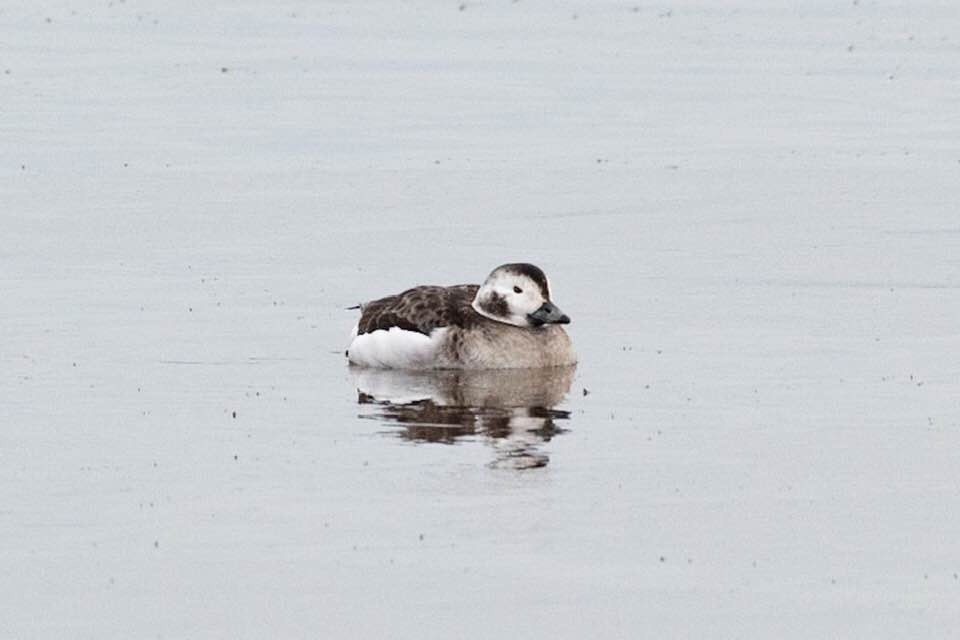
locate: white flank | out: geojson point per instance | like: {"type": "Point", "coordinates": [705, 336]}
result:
{"type": "Point", "coordinates": [395, 348]}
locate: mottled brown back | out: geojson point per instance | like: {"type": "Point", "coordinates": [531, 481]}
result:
{"type": "Point", "coordinates": [421, 309]}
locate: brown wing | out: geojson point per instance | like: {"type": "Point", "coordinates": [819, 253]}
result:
{"type": "Point", "coordinates": [420, 309]}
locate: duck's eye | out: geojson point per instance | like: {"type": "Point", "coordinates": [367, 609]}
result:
{"type": "Point", "coordinates": [517, 290]}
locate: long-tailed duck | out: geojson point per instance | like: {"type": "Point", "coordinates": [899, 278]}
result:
{"type": "Point", "coordinates": [507, 322]}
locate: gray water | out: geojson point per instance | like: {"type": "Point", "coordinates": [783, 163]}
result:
{"type": "Point", "coordinates": [749, 212]}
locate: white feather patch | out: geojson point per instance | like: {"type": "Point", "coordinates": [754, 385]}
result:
{"type": "Point", "coordinates": [395, 348]}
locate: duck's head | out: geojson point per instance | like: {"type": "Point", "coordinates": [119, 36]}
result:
{"type": "Point", "coordinates": [518, 294]}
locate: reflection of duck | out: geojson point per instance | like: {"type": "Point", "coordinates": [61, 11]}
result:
{"type": "Point", "coordinates": [512, 408]}
{"type": "Point", "coordinates": [508, 322]}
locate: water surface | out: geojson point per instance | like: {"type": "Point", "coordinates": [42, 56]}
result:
{"type": "Point", "coordinates": [748, 210]}
{"type": "Point", "coordinates": [512, 410]}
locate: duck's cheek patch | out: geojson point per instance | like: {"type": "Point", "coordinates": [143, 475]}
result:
{"type": "Point", "coordinates": [495, 305]}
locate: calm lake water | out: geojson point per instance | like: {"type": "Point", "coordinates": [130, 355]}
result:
{"type": "Point", "coordinates": [748, 211]}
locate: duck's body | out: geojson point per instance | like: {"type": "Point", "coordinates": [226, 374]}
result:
{"type": "Point", "coordinates": [508, 322]}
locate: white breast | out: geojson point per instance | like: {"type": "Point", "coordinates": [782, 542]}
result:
{"type": "Point", "coordinates": [395, 348]}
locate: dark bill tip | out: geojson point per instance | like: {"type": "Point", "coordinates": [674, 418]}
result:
{"type": "Point", "coordinates": [548, 313]}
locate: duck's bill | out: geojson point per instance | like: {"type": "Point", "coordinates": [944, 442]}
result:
{"type": "Point", "coordinates": [548, 313]}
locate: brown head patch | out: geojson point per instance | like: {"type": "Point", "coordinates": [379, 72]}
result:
{"type": "Point", "coordinates": [494, 305]}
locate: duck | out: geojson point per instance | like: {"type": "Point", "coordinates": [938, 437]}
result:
{"type": "Point", "coordinates": [508, 322]}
